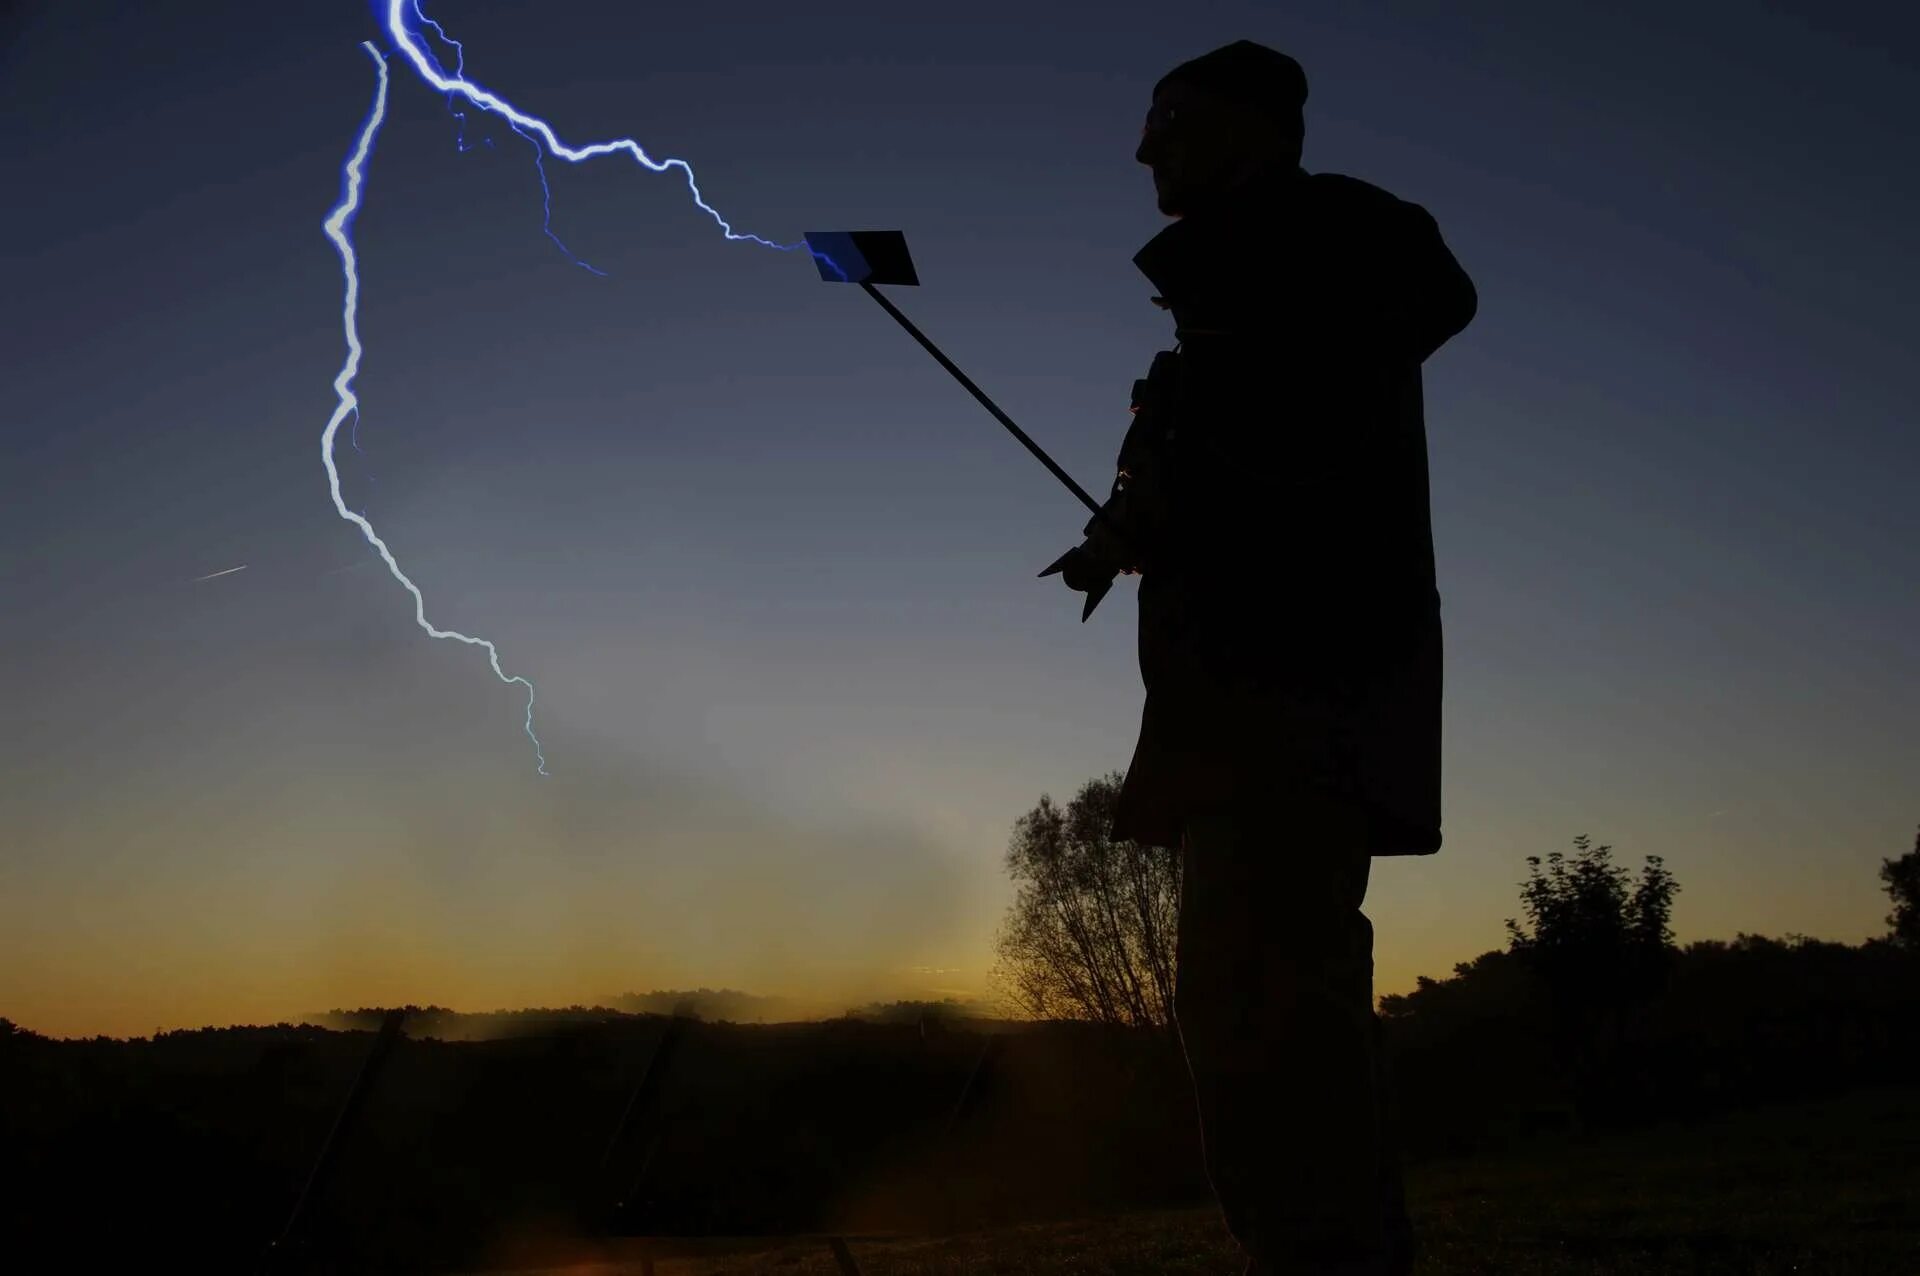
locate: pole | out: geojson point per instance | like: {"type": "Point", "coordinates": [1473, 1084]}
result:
{"type": "Point", "coordinates": [952, 368]}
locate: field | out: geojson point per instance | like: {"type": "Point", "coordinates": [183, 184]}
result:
{"type": "Point", "coordinates": [1825, 1187]}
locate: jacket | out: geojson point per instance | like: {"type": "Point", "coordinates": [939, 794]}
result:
{"type": "Point", "coordinates": [1289, 633]}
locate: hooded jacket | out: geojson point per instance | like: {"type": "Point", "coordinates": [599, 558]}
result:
{"type": "Point", "coordinates": [1289, 621]}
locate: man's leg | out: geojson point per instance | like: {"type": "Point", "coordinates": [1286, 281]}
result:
{"type": "Point", "coordinates": [1274, 1000]}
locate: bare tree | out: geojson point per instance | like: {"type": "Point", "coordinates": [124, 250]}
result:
{"type": "Point", "coordinates": [1090, 933]}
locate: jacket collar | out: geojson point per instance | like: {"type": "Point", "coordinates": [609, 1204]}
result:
{"type": "Point", "coordinates": [1197, 253]}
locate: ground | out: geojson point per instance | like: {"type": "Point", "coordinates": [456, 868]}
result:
{"type": "Point", "coordinates": [1824, 1187]}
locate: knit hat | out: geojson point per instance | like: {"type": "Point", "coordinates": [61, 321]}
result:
{"type": "Point", "coordinates": [1249, 75]}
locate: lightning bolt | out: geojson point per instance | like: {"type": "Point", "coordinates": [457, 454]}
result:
{"type": "Point", "coordinates": [460, 141]}
{"type": "Point", "coordinates": [407, 42]}
{"type": "Point", "coordinates": [339, 227]}
{"type": "Point", "coordinates": [459, 68]}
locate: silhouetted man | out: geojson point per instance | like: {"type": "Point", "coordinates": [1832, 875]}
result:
{"type": "Point", "coordinates": [1273, 497]}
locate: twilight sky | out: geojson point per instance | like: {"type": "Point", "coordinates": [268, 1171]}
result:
{"type": "Point", "coordinates": [773, 573]}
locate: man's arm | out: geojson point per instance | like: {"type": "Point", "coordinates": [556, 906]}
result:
{"type": "Point", "coordinates": [1440, 298]}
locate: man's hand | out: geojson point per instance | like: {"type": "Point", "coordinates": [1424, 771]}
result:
{"type": "Point", "coordinates": [1089, 567]}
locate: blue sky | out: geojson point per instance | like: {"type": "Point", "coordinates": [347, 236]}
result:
{"type": "Point", "coordinates": [772, 571]}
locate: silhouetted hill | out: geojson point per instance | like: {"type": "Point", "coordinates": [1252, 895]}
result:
{"type": "Point", "coordinates": [480, 1147]}
{"type": "Point", "coordinates": [487, 1146]}
{"type": "Point", "coordinates": [723, 1005]}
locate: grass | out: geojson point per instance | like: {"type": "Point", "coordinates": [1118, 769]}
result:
{"type": "Point", "coordinates": [1824, 1187]}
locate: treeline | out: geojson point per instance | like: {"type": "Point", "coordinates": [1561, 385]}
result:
{"type": "Point", "coordinates": [706, 1004]}
{"type": "Point", "coordinates": [1486, 1056]}
{"type": "Point", "coordinates": [192, 1146]}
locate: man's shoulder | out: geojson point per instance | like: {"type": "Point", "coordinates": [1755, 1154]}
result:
{"type": "Point", "coordinates": [1339, 208]}
{"type": "Point", "coordinates": [1340, 190]}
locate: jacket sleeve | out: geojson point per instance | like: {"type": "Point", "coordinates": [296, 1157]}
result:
{"type": "Point", "coordinates": [1439, 298]}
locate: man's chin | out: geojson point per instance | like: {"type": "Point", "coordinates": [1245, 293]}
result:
{"type": "Point", "coordinates": [1171, 203]}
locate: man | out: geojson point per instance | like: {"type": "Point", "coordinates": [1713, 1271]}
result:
{"type": "Point", "coordinates": [1273, 498]}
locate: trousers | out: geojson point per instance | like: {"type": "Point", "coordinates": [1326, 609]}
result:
{"type": "Point", "coordinates": [1273, 1002]}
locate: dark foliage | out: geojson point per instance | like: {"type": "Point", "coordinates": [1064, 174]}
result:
{"type": "Point", "coordinates": [1599, 941]}
{"type": "Point", "coordinates": [1756, 1020]}
{"type": "Point", "coordinates": [1602, 946]}
{"type": "Point", "coordinates": [190, 1148]}
{"type": "Point", "coordinates": [1902, 880]}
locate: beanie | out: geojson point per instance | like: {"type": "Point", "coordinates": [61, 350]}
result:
{"type": "Point", "coordinates": [1249, 75]}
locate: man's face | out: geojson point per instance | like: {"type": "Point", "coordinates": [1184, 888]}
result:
{"type": "Point", "coordinates": [1198, 145]}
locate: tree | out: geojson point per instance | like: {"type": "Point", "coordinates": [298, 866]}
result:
{"type": "Point", "coordinates": [1601, 944]}
{"type": "Point", "coordinates": [1090, 933]}
{"type": "Point", "coordinates": [1902, 879]}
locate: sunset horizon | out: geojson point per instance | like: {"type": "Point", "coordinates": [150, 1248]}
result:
{"type": "Point", "coordinates": [773, 573]}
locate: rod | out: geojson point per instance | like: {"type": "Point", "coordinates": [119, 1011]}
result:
{"type": "Point", "coordinates": [952, 368]}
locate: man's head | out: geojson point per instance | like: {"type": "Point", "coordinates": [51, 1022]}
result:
{"type": "Point", "coordinates": [1219, 118]}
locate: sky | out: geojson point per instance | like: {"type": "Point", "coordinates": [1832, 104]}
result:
{"type": "Point", "coordinates": [773, 573]}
